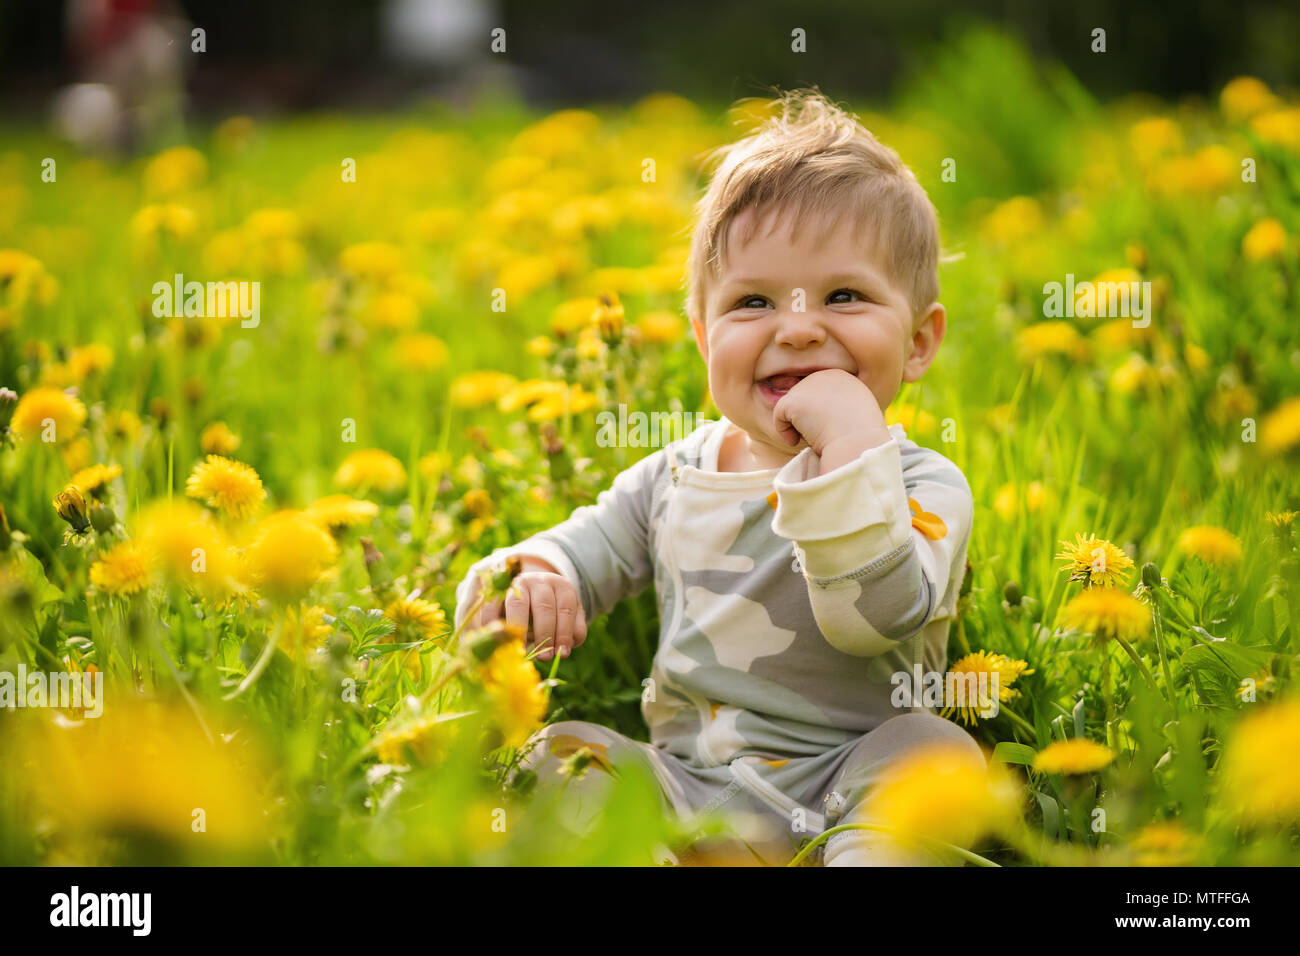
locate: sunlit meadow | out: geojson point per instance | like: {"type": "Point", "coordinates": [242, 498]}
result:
{"type": "Point", "coordinates": [253, 530]}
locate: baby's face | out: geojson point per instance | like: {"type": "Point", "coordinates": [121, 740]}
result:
{"type": "Point", "coordinates": [855, 318]}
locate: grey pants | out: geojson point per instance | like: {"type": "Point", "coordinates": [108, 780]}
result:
{"type": "Point", "coordinates": [775, 805]}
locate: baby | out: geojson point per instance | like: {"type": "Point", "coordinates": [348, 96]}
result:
{"type": "Point", "coordinates": [802, 551]}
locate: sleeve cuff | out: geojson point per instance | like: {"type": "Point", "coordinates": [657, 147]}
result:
{"type": "Point", "coordinates": [844, 519]}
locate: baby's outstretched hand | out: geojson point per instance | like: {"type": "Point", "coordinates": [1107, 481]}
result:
{"type": "Point", "coordinates": [545, 605]}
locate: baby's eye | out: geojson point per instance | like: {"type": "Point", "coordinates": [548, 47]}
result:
{"type": "Point", "coordinates": [849, 292]}
{"type": "Point", "coordinates": [745, 302]}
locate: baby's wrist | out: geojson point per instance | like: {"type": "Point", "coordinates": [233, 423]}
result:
{"type": "Point", "coordinates": [842, 449]}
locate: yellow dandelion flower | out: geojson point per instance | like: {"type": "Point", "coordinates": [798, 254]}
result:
{"type": "Point", "coordinates": [1244, 97]}
{"type": "Point", "coordinates": [1279, 126]}
{"type": "Point", "coordinates": [303, 636]}
{"type": "Point", "coordinates": [1280, 429]}
{"type": "Point", "coordinates": [1094, 561]}
{"type": "Point", "coordinates": [191, 549]}
{"type": "Point", "coordinates": [475, 389]}
{"type": "Point", "coordinates": [539, 346]}
{"type": "Point", "coordinates": [570, 401]}
{"type": "Point", "coordinates": [417, 619]}
{"type": "Point", "coordinates": [1034, 495]}
{"type": "Point", "coordinates": [478, 503]}
{"type": "Point", "coordinates": [174, 171]}
{"type": "Point", "coordinates": [421, 352]}
{"type": "Point", "coordinates": [1018, 218]}
{"type": "Point", "coordinates": [661, 327]}
{"type": "Point", "coordinates": [336, 513]}
{"type": "Point", "coordinates": [231, 487]}
{"type": "Point", "coordinates": [290, 552]}
{"type": "Point", "coordinates": [590, 345]}
{"type": "Point", "coordinates": [942, 791]}
{"type": "Point", "coordinates": [1164, 843]}
{"type": "Point", "coordinates": [77, 453]}
{"type": "Point", "coordinates": [913, 419]}
{"type": "Point", "coordinates": [424, 740]}
{"type": "Point", "coordinates": [273, 223]}
{"type": "Point", "coordinates": [1134, 373]}
{"type": "Point", "coordinates": [1077, 755]}
{"type": "Point", "coordinates": [1212, 545]}
{"type": "Point", "coordinates": [1050, 338]}
{"type": "Point", "coordinates": [1108, 612]}
{"type": "Point", "coordinates": [1197, 359]}
{"type": "Point", "coordinates": [1256, 785]}
{"type": "Point", "coordinates": [392, 310]}
{"type": "Point", "coordinates": [126, 569]}
{"type": "Point", "coordinates": [1266, 240]}
{"type": "Point", "coordinates": [371, 469]}
{"type": "Point", "coordinates": [1281, 519]}
{"type": "Point", "coordinates": [48, 412]}
{"type": "Point", "coordinates": [89, 360]}
{"type": "Point", "coordinates": [569, 317]}
{"type": "Point", "coordinates": [70, 505]}
{"type": "Point", "coordinates": [528, 392]}
{"type": "Point", "coordinates": [374, 261]}
{"type": "Point", "coordinates": [518, 696]}
{"type": "Point", "coordinates": [143, 767]}
{"type": "Point", "coordinates": [218, 439]}
{"type": "Point", "coordinates": [1155, 136]}
{"type": "Point", "coordinates": [94, 480]}
{"type": "Point", "coordinates": [434, 465]}
{"type": "Point", "coordinates": [979, 695]}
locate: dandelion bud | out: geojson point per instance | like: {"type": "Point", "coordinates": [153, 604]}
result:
{"type": "Point", "coordinates": [557, 453]}
{"type": "Point", "coordinates": [70, 505]}
{"type": "Point", "coordinates": [1012, 593]}
{"type": "Point", "coordinates": [8, 401]}
{"type": "Point", "coordinates": [576, 766]}
{"type": "Point", "coordinates": [609, 318]}
{"type": "Point", "coordinates": [483, 643]}
{"type": "Point", "coordinates": [1150, 575]}
{"type": "Point", "coordinates": [376, 568]}
{"type": "Point", "coordinates": [102, 518]}
{"type": "Point", "coordinates": [509, 571]}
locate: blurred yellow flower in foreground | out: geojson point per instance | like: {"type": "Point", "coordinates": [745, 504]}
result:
{"type": "Point", "coordinates": [1212, 545]}
{"type": "Point", "coordinates": [944, 792]}
{"type": "Point", "coordinates": [231, 487]}
{"type": "Point", "coordinates": [1108, 612]}
{"type": "Point", "coordinates": [1078, 755]}
{"type": "Point", "coordinates": [303, 636]}
{"type": "Point", "coordinates": [142, 768]}
{"type": "Point", "coordinates": [371, 469]}
{"type": "Point", "coordinates": [289, 554]}
{"type": "Point", "coordinates": [1155, 136]}
{"type": "Point", "coordinates": [1266, 240]}
{"type": "Point", "coordinates": [51, 408]}
{"type": "Point", "coordinates": [336, 513]}
{"type": "Point", "coordinates": [421, 352]}
{"type": "Point", "coordinates": [374, 261]}
{"type": "Point", "coordinates": [425, 740]}
{"type": "Point", "coordinates": [661, 327]}
{"type": "Point", "coordinates": [1164, 843]}
{"type": "Point", "coordinates": [191, 549]}
{"type": "Point", "coordinates": [517, 694]}
{"type": "Point", "coordinates": [1280, 126]}
{"type": "Point", "coordinates": [1258, 784]}
{"type": "Point", "coordinates": [125, 569]}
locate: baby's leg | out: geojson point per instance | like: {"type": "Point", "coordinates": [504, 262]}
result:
{"type": "Point", "coordinates": [553, 752]}
{"type": "Point", "coordinates": [849, 795]}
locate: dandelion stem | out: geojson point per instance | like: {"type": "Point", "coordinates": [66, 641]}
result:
{"type": "Point", "coordinates": [1128, 649]}
{"type": "Point", "coordinates": [260, 665]}
{"type": "Point", "coordinates": [1164, 658]}
{"type": "Point", "coordinates": [1019, 721]}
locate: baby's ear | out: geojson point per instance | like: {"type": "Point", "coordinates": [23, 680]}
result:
{"type": "Point", "coordinates": [931, 327]}
{"type": "Point", "coordinates": [701, 338]}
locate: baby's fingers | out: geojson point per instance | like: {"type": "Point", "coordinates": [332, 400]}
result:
{"type": "Point", "coordinates": [544, 616]}
{"type": "Point", "coordinates": [568, 613]}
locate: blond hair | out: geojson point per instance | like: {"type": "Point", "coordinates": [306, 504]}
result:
{"type": "Point", "coordinates": [813, 158]}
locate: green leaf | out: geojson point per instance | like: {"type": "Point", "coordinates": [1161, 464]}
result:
{"type": "Point", "coordinates": [1051, 814]}
{"type": "Point", "coordinates": [1008, 751]}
